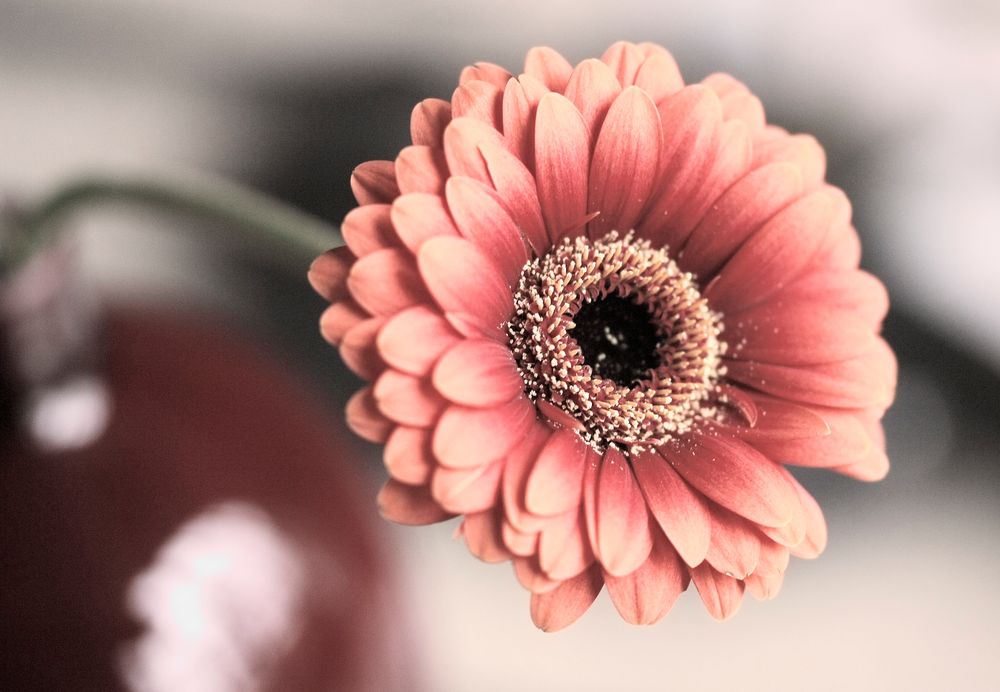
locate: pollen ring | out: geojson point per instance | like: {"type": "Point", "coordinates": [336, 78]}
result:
{"type": "Point", "coordinates": [664, 400]}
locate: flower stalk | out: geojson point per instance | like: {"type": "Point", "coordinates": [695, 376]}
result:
{"type": "Point", "coordinates": [296, 235]}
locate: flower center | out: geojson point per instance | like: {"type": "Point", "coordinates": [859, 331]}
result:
{"type": "Point", "coordinates": [615, 335]}
{"type": "Point", "coordinates": [617, 338]}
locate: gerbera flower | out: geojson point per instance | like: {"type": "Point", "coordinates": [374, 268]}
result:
{"type": "Point", "coordinates": [599, 310]}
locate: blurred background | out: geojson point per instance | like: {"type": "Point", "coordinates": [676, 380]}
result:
{"type": "Point", "coordinates": [289, 97]}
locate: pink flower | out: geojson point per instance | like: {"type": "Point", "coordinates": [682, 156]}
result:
{"type": "Point", "coordinates": [599, 310]}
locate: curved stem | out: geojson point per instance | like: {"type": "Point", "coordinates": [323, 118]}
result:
{"type": "Point", "coordinates": [263, 218]}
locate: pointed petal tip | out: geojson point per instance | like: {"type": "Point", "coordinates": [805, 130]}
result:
{"type": "Point", "coordinates": [409, 505]}
{"type": "Point", "coordinates": [565, 605]}
{"type": "Point", "coordinates": [364, 418]}
{"type": "Point", "coordinates": [721, 594]}
{"type": "Point", "coordinates": [647, 595]}
{"type": "Point", "coordinates": [556, 481]}
{"type": "Point", "coordinates": [374, 182]}
{"type": "Point", "coordinates": [328, 273]}
{"type": "Point", "coordinates": [623, 531]}
{"type": "Point", "coordinates": [548, 66]}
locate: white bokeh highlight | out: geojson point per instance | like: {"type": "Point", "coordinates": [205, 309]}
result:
{"type": "Point", "coordinates": [220, 603]}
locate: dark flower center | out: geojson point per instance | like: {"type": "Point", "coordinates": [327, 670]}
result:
{"type": "Point", "coordinates": [613, 334]}
{"type": "Point", "coordinates": [617, 338]}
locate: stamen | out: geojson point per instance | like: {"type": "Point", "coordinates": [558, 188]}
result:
{"type": "Point", "coordinates": [643, 368]}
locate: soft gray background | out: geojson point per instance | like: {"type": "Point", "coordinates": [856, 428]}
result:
{"type": "Point", "coordinates": [291, 95]}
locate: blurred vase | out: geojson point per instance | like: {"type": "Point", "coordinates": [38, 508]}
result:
{"type": "Point", "coordinates": [177, 512]}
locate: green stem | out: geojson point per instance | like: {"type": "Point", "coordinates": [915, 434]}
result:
{"type": "Point", "coordinates": [298, 236]}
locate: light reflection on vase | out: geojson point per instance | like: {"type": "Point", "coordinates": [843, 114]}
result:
{"type": "Point", "coordinates": [221, 603]}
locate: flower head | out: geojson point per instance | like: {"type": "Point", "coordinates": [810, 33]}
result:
{"type": "Point", "coordinates": [599, 311]}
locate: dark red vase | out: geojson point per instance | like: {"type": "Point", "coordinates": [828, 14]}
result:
{"type": "Point", "coordinates": [215, 536]}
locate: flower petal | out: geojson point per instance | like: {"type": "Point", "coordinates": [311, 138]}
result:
{"type": "Point", "coordinates": [517, 542]}
{"type": "Point", "coordinates": [386, 281]}
{"type": "Point", "coordinates": [789, 535]}
{"type": "Point", "coordinates": [407, 399]}
{"type": "Point", "coordinates": [520, 101]}
{"type": "Point", "coordinates": [478, 372]}
{"type": "Point", "coordinates": [735, 475]}
{"type": "Point", "coordinates": [647, 594]}
{"type": "Point", "coordinates": [735, 547]}
{"type": "Point", "coordinates": [738, 103]}
{"type": "Point", "coordinates": [555, 483]}
{"type": "Point", "coordinates": [563, 606]}
{"type": "Point", "coordinates": [659, 76]}
{"type": "Point", "coordinates": [853, 290]}
{"type": "Point", "coordinates": [556, 417]}
{"type": "Point", "coordinates": [799, 333]}
{"type": "Point", "coordinates": [485, 72]}
{"type": "Point", "coordinates": [479, 100]}
{"type": "Point", "coordinates": [357, 348]}
{"type": "Point", "coordinates": [368, 229]}
{"type": "Point", "coordinates": [340, 318]}
{"type": "Point", "coordinates": [764, 586]}
{"type": "Point", "coordinates": [467, 285]}
{"type": "Point", "coordinates": [516, 187]}
{"type": "Point", "coordinates": [374, 182]}
{"type": "Point", "coordinates": [874, 465]}
{"type": "Point", "coordinates": [408, 504]}
{"type": "Point", "coordinates": [462, 138]}
{"type": "Point", "coordinates": [520, 461]}
{"type": "Point", "coordinates": [421, 168]}
{"type": "Point", "coordinates": [591, 474]}
{"type": "Point", "coordinates": [624, 538]}
{"type": "Point", "coordinates": [848, 441]}
{"type": "Point", "coordinates": [408, 456]}
{"type": "Point", "coordinates": [428, 120]}
{"type": "Point", "coordinates": [563, 548]}
{"type": "Point", "coordinates": [562, 160]}
{"type": "Point", "coordinates": [549, 67]}
{"type": "Point", "coordinates": [530, 575]}
{"type": "Point", "coordinates": [782, 420]}
{"type": "Point", "coordinates": [412, 340]}
{"type": "Point", "coordinates": [482, 534]}
{"type": "Point", "coordinates": [868, 380]}
{"type": "Point", "coordinates": [328, 273]}
{"type": "Point", "coordinates": [624, 59]}
{"type": "Point", "coordinates": [739, 401]}
{"type": "Point", "coordinates": [727, 161]}
{"type": "Point", "coordinates": [467, 437]}
{"type": "Point", "coordinates": [774, 255]}
{"type": "Point", "coordinates": [691, 121]}
{"type": "Point", "coordinates": [868, 473]}
{"type": "Point", "coordinates": [841, 249]}
{"type": "Point", "coordinates": [774, 558]}
{"type": "Point", "coordinates": [592, 89]}
{"type": "Point", "coordinates": [721, 595]}
{"type": "Point", "coordinates": [680, 512]}
{"type": "Point", "coordinates": [737, 214]}
{"type": "Point", "coordinates": [364, 418]}
{"type": "Point", "coordinates": [481, 218]}
{"type": "Point", "coordinates": [816, 534]}
{"type": "Point", "coordinates": [802, 150]}
{"type": "Point", "coordinates": [419, 216]}
{"type": "Point", "coordinates": [467, 490]}
{"type": "Point", "coordinates": [625, 163]}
